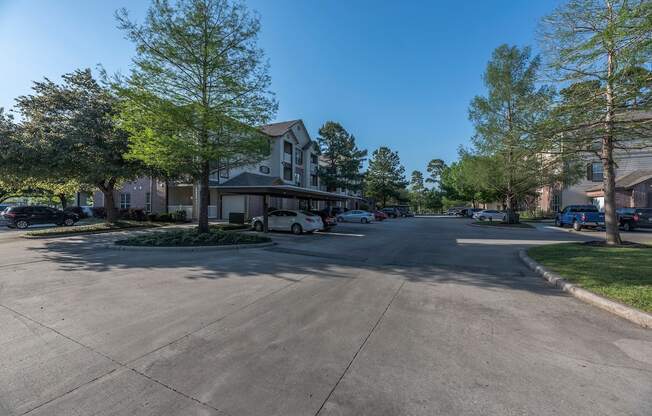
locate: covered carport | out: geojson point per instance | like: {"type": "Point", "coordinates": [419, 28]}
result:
{"type": "Point", "coordinates": [278, 190]}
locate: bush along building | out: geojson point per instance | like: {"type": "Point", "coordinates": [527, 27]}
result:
{"type": "Point", "coordinates": [288, 179]}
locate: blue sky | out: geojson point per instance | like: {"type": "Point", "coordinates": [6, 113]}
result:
{"type": "Point", "coordinates": [399, 74]}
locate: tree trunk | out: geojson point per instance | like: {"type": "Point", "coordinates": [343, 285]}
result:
{"type": "Point", "coordinates": [64, 201]}
{"type": "Point", "coordinates": [109, 204]}
{"type": "Point", "coordinates": [204, 198]}
{"type": "Point", "coordinates": [609, 172]}
{"type": "Point", "coordinates": [107, 188]}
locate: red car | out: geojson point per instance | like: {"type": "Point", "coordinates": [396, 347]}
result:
{"type": "Point", "coordinates": [380, 216]}
{"type": "Point", "coordinates": [328, 220]}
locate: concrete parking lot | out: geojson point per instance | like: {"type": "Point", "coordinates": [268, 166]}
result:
{"type": "Point", "coordinates": [418, 316]}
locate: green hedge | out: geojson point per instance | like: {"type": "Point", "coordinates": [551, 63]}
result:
{"type": "Point", "coordinates": [192, 237]}
{"type": "Point", "coordinates": [102, 227]}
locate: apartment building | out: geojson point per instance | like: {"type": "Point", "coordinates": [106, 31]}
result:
{"type": "Point", "coordinates": [288, 177]}
{"type": "Point", "coordinates": [633, 184]}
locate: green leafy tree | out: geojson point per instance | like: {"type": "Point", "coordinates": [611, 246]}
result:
{"type": "Point", "coordinates": [508, 124]}
{"type": "Point", "coordinates": [344, 159]}
{"type": "Point", "coordinates": [435, 168]}
{"type": "Point", "coordinates": [385, 177]}
{"type": "Point", "coordinates": [67, 138]}
{"type": "Point", "coordinates": [600, 47]}
{"type": "Point", "coordinates": [417, 191]}
{"type": "Point", "coordinates": [199, 84]}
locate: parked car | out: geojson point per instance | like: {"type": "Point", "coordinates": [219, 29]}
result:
{"type": "Point", "coordinates": [23, 217]}
{"type": "Point", "coordinates": [379, 215]}
{"type": "Point", "coordinates": [580, 216]}
{"type": "Point", "coordinates": [404, 211]}
{"type": "Point", "coordinates": [356, 215]}
{"type": "Point", "coordinates": [328, 220]}
{"type": "Point", "coordinates": [455, 211]}
{"type": "Point", "coordinates": [391, 212]}
{"type": "Point", "coordinates": [630, 219]}
{"type": "Point", "coordinates": [290, 220]}
{"type": "Point", "coordinates": [82, 211]}
{"type": "Point", "coordinates": [489, 214]}
{"type": "Point", "coordinates": [470, 212]}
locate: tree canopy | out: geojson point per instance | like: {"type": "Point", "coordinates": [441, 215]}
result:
{"type": "Point", "coordinates": [597, 49]}
{"type": "Point", "coordinates": [343, 158]}
{"type": "Point", "coordinates": [199, 86]}
{"type": "Point", "coordinates": [67, 138]}
{"type": "Point", "coordinates": [385, 177]}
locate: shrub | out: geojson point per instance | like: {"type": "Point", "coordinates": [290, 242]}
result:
{"type": "Point", "coordinates": [192, 237]}
{"type": "Point", "coordinates": [180, 216]}
{"type": "Point", "coordinates": [99, 212]}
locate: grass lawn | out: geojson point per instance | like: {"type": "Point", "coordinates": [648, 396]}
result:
{"type": "Point", "coordinates": [190, 237]}
{"type": "Point", "coordinates": [623, 274]}
{"type": "Point", "coordinates": [503, 224]}
{"type": "Point", "coordinates": [99, 227]}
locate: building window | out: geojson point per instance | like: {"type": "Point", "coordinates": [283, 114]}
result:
{"type": "Point", "coordinates": [594, 172]}
{"type": "Point", "coordinates": [287, 173]}
{"type": "Point", "coordinates": [299, 158]}
{"type": "Point", "coordinates": [125, 200]}
{"type": "Point", "coordinates": [148, 202]}
{"type": "Point", "coordinates": [313, 180]}
{"type": "Point", "coordinates": [298, 178]}
{"type": "Point", "coordinates": [313, 159]}
{"type": "Point", "coordinates": [555, 203]}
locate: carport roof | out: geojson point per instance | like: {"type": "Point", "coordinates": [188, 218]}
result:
{"type": "Point", "coordinates": [253, 184]}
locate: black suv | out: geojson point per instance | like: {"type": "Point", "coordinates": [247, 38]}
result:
{"type": "Point", "coordinates": [23, 217]}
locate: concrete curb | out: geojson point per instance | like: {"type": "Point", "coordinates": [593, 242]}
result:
{"type": "Point", "coordinates": [188, 249]}
{"type": "Point", "coordinates": [636, 316]}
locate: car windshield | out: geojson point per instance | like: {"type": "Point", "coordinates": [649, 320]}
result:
{"type": "Point", "coordinates": [308, 213]}
{"type": "Point", "coordinates": [626, 211]}
{"type": "Point", "coordinates": [587, 208]}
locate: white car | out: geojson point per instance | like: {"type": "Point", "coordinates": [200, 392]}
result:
{"type": "Point", "coordinates": [489, 214]}
{"type": "Point", "coordinates": [356, 216]}
{"type": "Point", "coordinates": [289, 220]}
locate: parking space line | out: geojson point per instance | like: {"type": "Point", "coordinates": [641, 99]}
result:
{"type": "Point", "coordinates": [342, 234]}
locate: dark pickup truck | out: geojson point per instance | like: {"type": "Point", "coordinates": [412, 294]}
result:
{"type": "Point", "coordinates": [580, 216]}
{"type": "Point", "coordinates": [631, 218]}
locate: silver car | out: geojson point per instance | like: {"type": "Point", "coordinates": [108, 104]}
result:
{"type": "Point", "coordinates": [489, 214]}
{"type": "Point", "coordinates": [355, 215]}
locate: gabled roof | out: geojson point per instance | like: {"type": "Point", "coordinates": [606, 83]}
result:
{"type": "Point", "coordinates": [278, 129]}
{"type": "Point", "coordinates": [628, 181]}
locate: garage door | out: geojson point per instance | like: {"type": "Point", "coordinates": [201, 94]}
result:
{"type": "Point", "coordinates": [232, 203]}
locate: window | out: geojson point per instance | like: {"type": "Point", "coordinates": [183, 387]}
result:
{"type": "Point", "coordinates": [298, 178]}
{"type": "Point", "coordinates": [299, 158]}
{"type": "Point", "coordinates": [287, 173]}
{"type": "Point", "coordinates": [313, 180]}
{"type": "Point", "coordinates": [287, 147]}
{"type": "Point", "coordinates": [594, 172]}
{"type": "Point", "coordinates": [125, 200]}
{"type": "Point", "coordinates": [148, 202]}
{"type": "Point", "coordinates": [555, 204]}
{"type": "Point", "coordinates": [313, 159]}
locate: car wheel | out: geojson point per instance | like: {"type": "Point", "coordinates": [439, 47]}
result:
{"type": "Point", "coordinates": [22, 224]}
{"type": "Point", "coordinates": [577, 226]}
{"type": "Point", "coordinates": [258, 226]}
{"type": "Point", "coordinates": [68, 222]}
{"type": "Point", "coordinates": [557, 222]}
{"type": "Point", "coordinates": [340, 219]}
{"type": "Point", "coordinates": [296, 229]}
{"type": "Point", "coordinates": [481, 218]}
{"type": "Point", "coordinates": [364, 220]}
{"type": "Point", "coordinates": [627, 226]}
